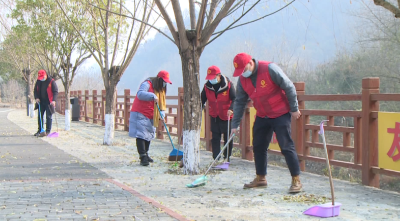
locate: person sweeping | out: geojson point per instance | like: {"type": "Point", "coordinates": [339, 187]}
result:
{"type": "Point", "coordinates": [275, 99]}
{"type": "Point", "coordinates": [220, 93]}
{"type": "Point", "coordinates": [144, 116]}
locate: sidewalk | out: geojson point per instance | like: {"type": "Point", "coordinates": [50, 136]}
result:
{"type": "Point", "coordinates": [223, 198]}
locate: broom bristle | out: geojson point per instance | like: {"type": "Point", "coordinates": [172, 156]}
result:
{"type": "Point", "coordinates": [173, 158]}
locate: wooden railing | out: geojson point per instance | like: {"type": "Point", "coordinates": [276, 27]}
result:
{"type": "Point", "coordinates": [359, 140]}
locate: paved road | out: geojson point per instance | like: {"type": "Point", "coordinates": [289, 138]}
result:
{"type": "Point", "coordinates": [40, 181]}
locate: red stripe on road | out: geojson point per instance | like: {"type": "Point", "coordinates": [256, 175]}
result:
{"type": "Point", "coordinates": [149, 200]}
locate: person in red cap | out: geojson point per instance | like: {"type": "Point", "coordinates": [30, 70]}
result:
{"type": "Point", "coordinates": [275, 100]}
{"type": "Point", "coordinates": [45, 93]}
{"type": "Point", "coordinates": [220, 93]}
{"type": "Point", "coordinates": [145, 115]}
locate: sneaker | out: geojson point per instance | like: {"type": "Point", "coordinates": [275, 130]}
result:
{"type": "Point", "coordinates": [149, 159]}
{"type": "Point", "coordinates": [296, 186]}
{"type": "Point", "coordinates": [259, 181]}
{"type": "Point", "coordinates": [143, 160]}
{"type": "Point", "coordinates": [36, 134]}
{"type": "Point", "coordinates": [42, 134]}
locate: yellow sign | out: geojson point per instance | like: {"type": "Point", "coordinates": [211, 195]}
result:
{"type": "Point", "coordinates": [224, 93]}
{"type": "Point", "coordinates": [209, 71]}
{"type": "Point", "coordinates": [389, 140]}
{"type": "Point", "coordinates": [235, 64]}
{"type": "Point", "coordinates": [89, 108]}
{"type": "Point", "coordinates": [273, 145]}
{"type": "Point", "coordinates": [203, 130]}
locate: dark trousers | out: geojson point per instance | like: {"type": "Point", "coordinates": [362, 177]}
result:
{"type": "Point", "coordinates": [219, 127]}
{"type": "Point", "coordinates": [262, 134]}
{"type": "Point", "coordinates": [143, 146]}
{"type": "Point", "coordinates": [44, 107]}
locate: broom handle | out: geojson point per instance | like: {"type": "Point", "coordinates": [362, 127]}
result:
{"type": "Point", "coordinates": [329, 168]}
{"type": "Point", "coordinates": [227, 135]}
{"type": "Point", "coordinates": [220, 153]}
{"type": "Point", "coordinates": [166, 128]}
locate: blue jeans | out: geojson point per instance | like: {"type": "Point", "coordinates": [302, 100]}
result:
{"type": "Point", "coordinates": [262, 135]}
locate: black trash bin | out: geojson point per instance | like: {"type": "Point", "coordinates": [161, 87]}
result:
{"type": "Point", "coordinates": [75, 108]}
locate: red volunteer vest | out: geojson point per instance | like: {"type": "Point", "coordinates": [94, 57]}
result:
{"type": "Point", "coordinates": [144, 107]}
{"type": "Point", "coordinates": [219, 106]}
{"type": "Point", "coordinates": [268, 98]}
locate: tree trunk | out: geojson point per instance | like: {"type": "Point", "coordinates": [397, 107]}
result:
{"type": "Point", "coordinates": [192, 112]}
{"type": "Point", "coordinates": [67, 109]}
{"type": "Point", "coordinates": [30, 96]}
{"type": "Point", "coordinates": [109, 118]}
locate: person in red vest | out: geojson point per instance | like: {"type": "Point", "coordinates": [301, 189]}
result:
{"type": "Point", "coordinates": [45, 93]}
{"type": "Point", "coordinates": [275, 100]}
{"type": "Point", "coordinates": [220, 93]}
{"type": "Point", "coordinates": [143, 112]}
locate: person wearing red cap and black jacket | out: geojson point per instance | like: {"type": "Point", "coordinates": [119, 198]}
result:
{"type": "Point", "coordinates": [143, 111]}
{"type": "Point", "coordinates": [275, 99]}
{"type": "Point", "coordinates": [220, 93]}
{"type": "Point", "coordinates": [45, 93]}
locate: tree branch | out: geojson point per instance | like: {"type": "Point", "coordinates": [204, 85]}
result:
{"type": "Point", "coordinates": [131, 17]}
{"type": "Point", "coordinates": [387, 5]}
{"type": "Point", "coordinates": [168, 21]}
{"type": "Point", "coordinates": [200, 20]}
{"type": "Point", "coordinates": [193, 14]}
{"type": "Point", "coordinates": [69, 20]}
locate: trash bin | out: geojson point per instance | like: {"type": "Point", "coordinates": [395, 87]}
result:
{"type": "Point", "coordinates": [75, 108]}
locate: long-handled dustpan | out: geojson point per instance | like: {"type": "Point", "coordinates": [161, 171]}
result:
{"type": "Point", "coordinates": [327, 209]}
{"type": "Point", "coordinates": [175, 153]}
{"type": "Point", "coordinates": [53, 134]}
{"type": "Point", "coordinates": [42, 131]}
{"type": "Point", "coordinates": [201, 181]}
{"type": "Point", "coordinates": [225, 165]}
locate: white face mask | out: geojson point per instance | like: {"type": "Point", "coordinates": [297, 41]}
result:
{"type": "Point", "coordinates": [164, 84]}
{"type": "Point", "coordinates": [247, 74]}
{"type": "Point", "coordinates": [213, 81]}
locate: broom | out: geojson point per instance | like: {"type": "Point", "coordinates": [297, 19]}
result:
{"type": "Point", "coordinates": [175, 153]}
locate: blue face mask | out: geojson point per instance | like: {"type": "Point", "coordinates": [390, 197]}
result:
{"type": "Point", "coordinates": [213, 81]}
{"type": "Point", "coordinates": [43, 79]}
{"type": "Point", "coordinates": [164, 84]}
{"type": "Point", "coordinates": [247, 73]}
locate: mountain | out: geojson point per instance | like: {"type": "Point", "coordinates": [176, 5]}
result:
{"type": "Point", "coordinates": [312, 30]}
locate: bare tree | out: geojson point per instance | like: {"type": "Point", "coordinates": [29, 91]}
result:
{"type": "Point", "coordinates": [191, 43]}
{"type": "Point", "coordinates": [109, 39]}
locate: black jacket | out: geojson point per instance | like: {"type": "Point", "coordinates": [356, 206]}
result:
{"type": "Point", "coordinates": [41, 93]}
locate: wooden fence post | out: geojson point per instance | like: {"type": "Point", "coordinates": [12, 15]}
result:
{"type": "Point", "coordinates": [127, 101]}
{"type": "Point", "coordinates": [247, 153]}
{"type": "Point", "coordinates": [179, 112]}
{"type": "Point", "coordinates": [102, 107]}
{"type": "Point", "coordinates": [79, 93]}
{"type": "Point", "coordinates": [369, 132]}
{"type": "Point", "coordinates": [94, 94]}
{"type": "Point", "coordinates": [86, 99]}
{"type": "Point", "coordinates": [298, 125]}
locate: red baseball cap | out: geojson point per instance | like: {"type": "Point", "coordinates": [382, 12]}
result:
{"type": "Point", "coordinates": [212, 72]}
{"type": "Point", "coordinates": [164, 75]}
{"type": "Point", "coordinates": [239, 62]}
{"type": "Point", "coordinates": [41, 74]}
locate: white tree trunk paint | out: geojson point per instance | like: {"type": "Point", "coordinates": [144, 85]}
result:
{"type": "Point", "coordinates": [191, 151]}
{"type": "Point", "coordinates": [31, 111]}
{"type": "Point", "coordinates": [67, 120]}
{"type": "Point", "coordinates": [109, 129]}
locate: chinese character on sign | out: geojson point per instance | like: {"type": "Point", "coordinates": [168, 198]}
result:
{"type": "Point", "coordinates": [396, 142]}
